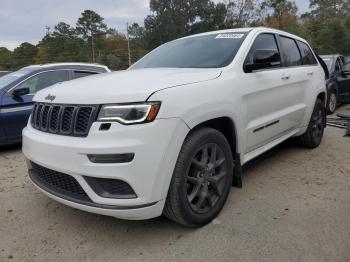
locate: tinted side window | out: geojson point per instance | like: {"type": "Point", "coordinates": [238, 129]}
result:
{"type": "Point", "coordinates": [291, 55]}
{"type": "Point", "coordinates": [262, 42]}
{"type": "Point", "coordinates": [44, 80]}
{"type": "Point", "coordinates": [306, 54]}
{"type": "Point", "coordinates": [79, 74]}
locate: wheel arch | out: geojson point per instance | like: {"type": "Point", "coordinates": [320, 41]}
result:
{"type": "Point", "coordinates": [224, 125]}
{"type": "Point", "coordinates": [323, 97]}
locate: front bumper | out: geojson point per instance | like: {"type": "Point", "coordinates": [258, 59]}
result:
{"type": "Point", "coordinates": [156, 146]}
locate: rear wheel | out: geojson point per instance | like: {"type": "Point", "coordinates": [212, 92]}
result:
{"type": "Point", "coordinates": [314, 133]}
{"type": "Point", "coordinates": [202, 179]}
{"type": "Point", "coordinates": [331, 103]}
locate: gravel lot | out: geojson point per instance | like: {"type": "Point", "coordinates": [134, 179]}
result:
{"type": "Point", "coordinates": [294, 206]}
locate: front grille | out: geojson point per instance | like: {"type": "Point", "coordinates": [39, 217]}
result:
{"type": "Point", "coordinates": [69, 120]}
{"type": "Point", "coordinates": [58, 183]}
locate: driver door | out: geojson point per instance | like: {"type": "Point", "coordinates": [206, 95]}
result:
{"type": "Point", "coordinates": [16, 110]}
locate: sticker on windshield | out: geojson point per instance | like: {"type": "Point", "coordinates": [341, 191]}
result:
{"type": "Point", "coordinates": [229, 36]}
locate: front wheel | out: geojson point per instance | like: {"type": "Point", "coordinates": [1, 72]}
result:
{"type": "Point", "coordinates": [201, 180]}
{"type": "Point", "coordinates": [314, 133]}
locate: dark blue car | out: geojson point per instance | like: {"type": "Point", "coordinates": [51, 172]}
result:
{"type": "Point", "coordinates": [18, 88]}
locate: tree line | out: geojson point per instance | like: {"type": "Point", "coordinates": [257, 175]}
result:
{"type": "Point", "coordinates": [326, 26]}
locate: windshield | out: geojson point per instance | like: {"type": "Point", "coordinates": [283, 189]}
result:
{"type": "Point", "coordinates": [11, 77]}
{"type": "Point", "coordinates": [209, 51]}
{"type": "Point", "coordinates": [328, 62]}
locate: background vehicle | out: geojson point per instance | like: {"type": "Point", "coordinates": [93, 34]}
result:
{"type": "Point", "coordinates": [170, 134]}
{"type": "Point", "coordinates": [2, 73]}
{"type": "Point", "coordinates": [18, 88]}
{"type": "Point", "coordinates": [338, 84]}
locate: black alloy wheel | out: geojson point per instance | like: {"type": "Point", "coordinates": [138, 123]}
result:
{"type": "Point", "coordinates": [312, 138]}
{"type": "Point", "coordinates": [206, 178]}
{"type": "Point", "coordinates": [317, 125]}
{"type": "Point", "coordinates": [202, 178]}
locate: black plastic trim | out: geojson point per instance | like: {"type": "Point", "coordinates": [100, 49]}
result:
{"type": "Point", "coordinates": [238, 173]}
{"type": "Point", "coordinates": [266, 126]}
{"type": "Point", "coordinates": [34, 178]}
{"type": "Point", "coordinates": [100, 187]}
{"type": "Point", "coordinates": [111, 158]}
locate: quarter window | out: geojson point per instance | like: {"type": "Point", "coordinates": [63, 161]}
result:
{"type": "Point", "coordinates": [291, 55]}
{"type": "Point", "coordinates": [306, 54]}
{"type": "Point", "coordinates": [43, 80]}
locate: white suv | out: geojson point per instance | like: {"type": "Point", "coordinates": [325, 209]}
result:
{"type": "Point", "coordinates": [170, 134]}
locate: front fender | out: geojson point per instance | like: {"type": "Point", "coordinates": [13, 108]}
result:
{"type": "Point", "coordinates": [197, 103]}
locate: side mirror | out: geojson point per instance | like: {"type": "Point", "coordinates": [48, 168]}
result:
{"type": "Point", "coordinates": [262, 59]}
{"type": "Point", "coordinates": [21, 92]}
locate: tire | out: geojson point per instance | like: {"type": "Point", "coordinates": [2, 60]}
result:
{"type": "Point", "coordinates": [198, 190]}
{"type": "Point", "coordinates": [312, 138]}
{"type": "Point", "coordinates": [331, 102]}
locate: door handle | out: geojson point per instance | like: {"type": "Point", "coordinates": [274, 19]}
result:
{"type": "Point", "coordinates": [285, 77]}
{"type": "Point", "coordinates": [310, 73]}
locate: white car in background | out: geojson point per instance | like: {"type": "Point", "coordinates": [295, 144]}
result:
{"type": "Point", "coordinates": [170, 134]}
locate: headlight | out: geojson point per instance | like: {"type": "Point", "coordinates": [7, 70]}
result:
{"type": "Point", "coordinates": [129, 113]}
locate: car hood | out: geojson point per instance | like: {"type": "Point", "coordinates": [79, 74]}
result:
{"type": "Point", "coordinates": [123, 86]}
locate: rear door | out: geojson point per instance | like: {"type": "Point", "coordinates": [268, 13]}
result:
{"type": "Point", "coordinates": [16, 110]}
{"type": "Point", "coordinates": [313, 73]}
{"type": "Point", "coordinates": [301, 68]}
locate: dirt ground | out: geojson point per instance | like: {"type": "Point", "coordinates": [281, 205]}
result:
{"type": "Point", "coordinates": [294, 206]}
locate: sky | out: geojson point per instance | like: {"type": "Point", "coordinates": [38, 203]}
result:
{"type": "Point", "coordinates": [25, 21]}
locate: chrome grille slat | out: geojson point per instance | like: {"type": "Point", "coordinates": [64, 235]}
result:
{"type": "Point", "coordinates": [69, 120]}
